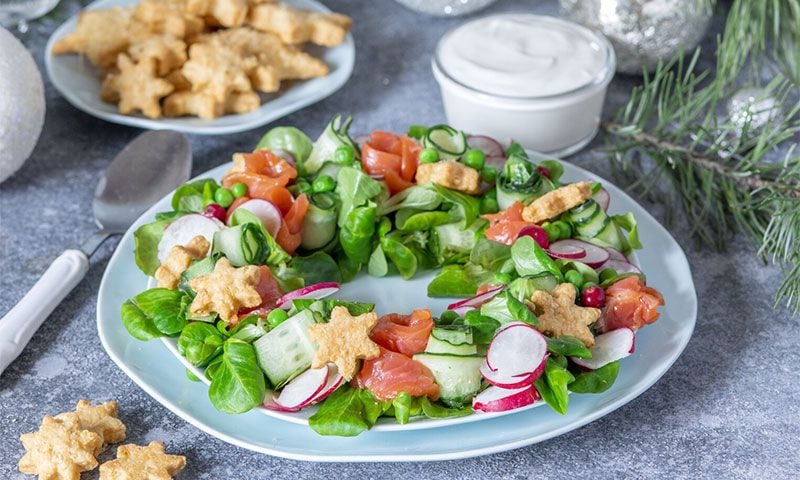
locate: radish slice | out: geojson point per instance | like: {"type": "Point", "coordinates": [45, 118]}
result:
{"type": "Point", "coordinates": [608, 347]}
{"type": "Point", "coordinates": [303, 388]}
{"type": "Point", "coordinates": [566, 249]}
{"type": "Point", "coordinates": [478, 299]}
{"type": "Point", "coordinates": [268, 213]}
{"type": "Point", "coordinates": [517, 381]}
{"type": "Point", "coordinates": [517, 349]}
{"type": "Point", "coordinates": [537, 233]}
{"type": "Point", "coordinates": [270, 404]}
{"type": "Point", "coordinates": [377, 176]}
{"type": "Point", "coordinates": [496, 162]}
{"type": "Point", "coordinates": [335, 380]}
{"type": "Point", "coordinates": [489, 146]}
{"type": "Point", "coordinates": [361, 139]}
{"type": "Point", "coordinates": [184, 229]}
{"type": "Point", "coordinates": [602, 198]}
{"type": "Point", "coordinates": [462, 310]}
{"type": "Point", "coordinates": [594, 255]}
{"type": "Point", "coordinates": [614, 254]}
{"type": "Point", "coordinates": [316, 291]}
{"type": "Point", "coordinates": [496, 399]}
{"type": "Point", "coordinates": [620, 267]}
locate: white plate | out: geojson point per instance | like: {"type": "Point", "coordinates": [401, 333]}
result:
{"type": "Point", "coordinates": [78, 81]}
{"type": "Point", "coordinates": [157, 371]}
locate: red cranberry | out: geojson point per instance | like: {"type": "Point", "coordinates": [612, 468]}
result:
{"type": "Point", "coordinates": [537, 233]}
{"type": "Point", "coordinates": [593, 296]}
{"type": "Point", "coordinates": [215, 210]}
{"type": "Point", "coordinates": [543, 171]}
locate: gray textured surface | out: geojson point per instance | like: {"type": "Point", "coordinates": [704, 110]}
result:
{"type": "Point", "coordinates": [729, 408]}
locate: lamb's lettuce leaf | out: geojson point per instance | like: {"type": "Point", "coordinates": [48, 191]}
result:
{"type": "Point", "coordinates": [596, 381]}
{"type": "Point", "coordinates": [238, 383]}
{"type": "Point", "coordinates": [194, 196]}
{"type": "Point", "coordinates": [154, 313]}
{"type": "Point", "coordinates": [347, 412]}
{"type": "Point", "coordinates": [200, 342]}
{"type": "Point", "coordinates": [552, 385]}
{"type": "Point", "coordinates": [290, 139]}
{"type": "Point", "coordinates": [354, 188]}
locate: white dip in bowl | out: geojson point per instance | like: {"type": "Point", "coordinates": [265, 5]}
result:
{"type": "Point", "coordinates": [535, 79]}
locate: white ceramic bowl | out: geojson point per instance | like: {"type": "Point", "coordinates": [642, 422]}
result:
{"type": "Point", "coordinates": [554, 124]}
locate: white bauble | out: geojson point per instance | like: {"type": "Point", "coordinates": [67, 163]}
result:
{"type": "Point", "coordinates": [21, 104]}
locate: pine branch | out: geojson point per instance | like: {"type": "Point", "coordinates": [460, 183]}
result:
{"type": "Point", "coordinates": [728, 177]}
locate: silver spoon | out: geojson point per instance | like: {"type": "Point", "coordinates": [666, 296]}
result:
{"type": "Point", "coordinates": [151, 166]}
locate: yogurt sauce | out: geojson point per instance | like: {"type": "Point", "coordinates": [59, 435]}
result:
{"type": "Point", "coordinates": [521, 55]}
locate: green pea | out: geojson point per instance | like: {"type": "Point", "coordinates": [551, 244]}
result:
{"type": "Point", "coordinates": [239, 190]}
{"type": "Point", "coordinates": [607, 274]}
{"type": "Point", "coordinates": [489, 174]}
{"type": "Point", "coordinates": [552, 231]}
{"type": "Point", "coordinates": [489, 205]}
{"type": "Point", "coordinates": [276, 317]}
{"type": "Point", "coordinates": [564, 229]}
{"type": "Point", "coordinates": [344, 155]}
{"type": "Point", "coordinates": [428, 155]}
{"type": "Point", "coordinates": [474, 158]}
{"type": "Point", "coordinates": [574, 277]}
{"type": "Point", "coordinates": [417, 131]}
{"type": "Point", "coordinates": [303, 186]}
{"type": "Point", "coordinates": [323, 183]}
{"type": "Point", "coordinates": [223, 197]}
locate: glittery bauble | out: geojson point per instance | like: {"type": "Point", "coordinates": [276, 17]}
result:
{"type": "Point", "coordinates": [446, 8]}
{"type": "Point", "coordinates": [642, 31]}
{"type": "Point", "coordinates": [753, 105]}
{"type": "Point", "coordinates": [21, 104]}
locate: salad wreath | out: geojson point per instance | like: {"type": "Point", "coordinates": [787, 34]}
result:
{"type": "Point", "coordinates": [245, 269]}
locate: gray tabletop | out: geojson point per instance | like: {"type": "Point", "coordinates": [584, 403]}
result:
{"type": "Point", "coordinates": [728, 408]}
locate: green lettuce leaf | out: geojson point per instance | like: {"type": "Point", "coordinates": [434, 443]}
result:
{"type": "Point", "coordinates": [200, 343]}
{"type": "Point", "coordinates": [291, 139]}
{"type": "Point", "coordinates": [347, 412]}
{"type": "Point", "coordinates": [596, 381]}
{"type": "Point", "coordinates": [354, 188]}
{"type": "Point", "coordinates": [238, 384]}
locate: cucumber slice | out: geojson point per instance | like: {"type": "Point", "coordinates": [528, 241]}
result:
{"type": "Point", "coordinates": [585, 213]}
{"type": "Point", "coordinates": [449, 142]}
{"type": "Point", "coordinates": [334, 136]}
{"type": "Point", "coordinates": [243, 244]}
{"type": "Point", "coordinates": [610, 235]}
{"type": "Point", "coordinates": [458, 376]}
{"type": "Point", "coordinates": [319, 224]}
{"type": "Point", "coordinates": [594, 227]}
{"type": "Point", "coordinates": [453, 334]}
{"type": "Point", "coordinates": [441, 346]}
{"type": "Point", "coordinates": [286, 351]}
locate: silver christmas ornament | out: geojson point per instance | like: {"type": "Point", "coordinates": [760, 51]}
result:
{"type": "Point", "coordinates": [446, 8]}
{"type": "Point", "coordinates": [754, 107]}
{"type": "Point", "coordinates": [643, 31]}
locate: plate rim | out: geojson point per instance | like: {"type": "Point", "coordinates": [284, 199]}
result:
{"type": "Point", "coordinates": [622, 400]}
{"type": "Point", "coordinates": [330, 84]}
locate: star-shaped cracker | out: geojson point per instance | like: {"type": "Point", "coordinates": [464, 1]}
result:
{"type": "Point", "coordinates": [179, 259]}
{"type": "Point", "coordinates": [295, 26]}
{"type": "Point", "coordinates": [556, 202]}
{"type": "Point", "coordinates": [135, 462]}
{"type": "Point", "coordinates": [60, 450]}
{"type": "Point", "coordinates": [558, 315]}
{"type": "Point", "coordinates": [100, 35]}
{"type": "Point", "coordinates": [168, 17]}
{"type": "Point", "coordinates": [344, 340]}
{"type": "Point", "coordinates": [227, 13]}
{"type": "Point", "coordinates": [225, 290]}
{"type": "Point", "coordinates": [169, 52]}
{"type": "Point", "coordinates": [101, 419]}
{"type": "Point", "coordinates": [138, 86]}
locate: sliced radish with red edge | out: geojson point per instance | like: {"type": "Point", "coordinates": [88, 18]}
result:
{"type": "Point", "coordinates": [608, 347]}
{"type": "Point", "coordinates": [316, 291]}
{"type": "Point", "coordinates": [488, 145]}
{"type": "Point", "coordinates": [462, 310]}
{"type": "Point", "coordinates": [619, 267]}
{"type": "Point", "coordinates": [335, 380]}
{"type": "Point", "coordinates": [594, 256]}
{"type": "Point", "coordinates": [507, 381]}
{"type": "Point", "coordinates": [267, 212]}
{"type": "Point", "coordinates": [517, 349]}
{"type": "Point", "coordinates": [184, 229]}
{"type": "Point", "coordinates": [478, 299]}
{"type": "Point", "coordinates": [602, 198]}
{"type": "Point", "coordinates": [614, 254]}
{"type": "Point", "coordinates": [303, 388]}
{"type": "Point", "coordinates": [270, 404]}
{"type": "Point", "coordinates": [496, 399]}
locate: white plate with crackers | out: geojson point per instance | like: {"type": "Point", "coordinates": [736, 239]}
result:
{"type": "Point", "coordinates": [155, 368]}
{"type": "Point", "coordinates": [178, 62]}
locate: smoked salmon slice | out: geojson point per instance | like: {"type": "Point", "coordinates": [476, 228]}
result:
{"type": "Point", "coordinates": [630, 303]}
{"type": "Point", "coordinates": [505, 226]}
{"type": "Point", "coordinates": [406, 334]}
{"type": "Point", "coordinates": [392, 373]}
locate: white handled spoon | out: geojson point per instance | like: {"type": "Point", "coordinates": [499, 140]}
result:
{"type": "Point", "coordinates": [151, 166]}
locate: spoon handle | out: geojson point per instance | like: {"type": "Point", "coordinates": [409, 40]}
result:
{"type": "Point", "coordinates": [21, 322]}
